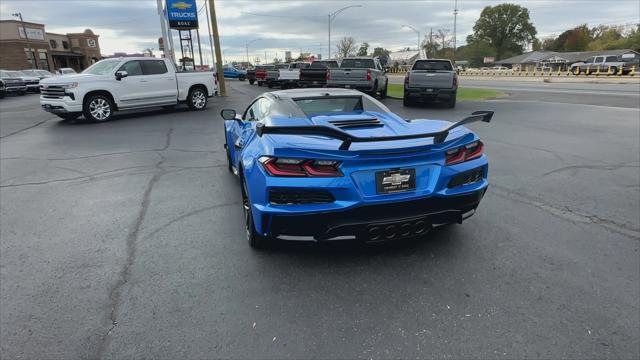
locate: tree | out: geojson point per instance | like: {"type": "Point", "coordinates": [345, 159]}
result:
{"type": "Point", "coordinates": [507, 28]}
{"type": "Point", "coordinates": [442, 38]}
{"type": "Point", "coordinates": [364, 48]}
{"type": "Point", "coordinates": [536, 45]}
{"type": "Point", "coordinates": [475, 51]}
{"type": "Point", "coordinates": [382, 54]}
{"type": "Point", "coordinates": [430, 47]}
{"type": "Point", "coordinates": [346, 47]}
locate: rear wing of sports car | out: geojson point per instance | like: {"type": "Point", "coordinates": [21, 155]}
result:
{"type": "Point", "coordinates": [348, 139]}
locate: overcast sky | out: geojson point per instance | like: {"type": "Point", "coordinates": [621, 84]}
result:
{"type": "Point", "coordinates": [132, 25]}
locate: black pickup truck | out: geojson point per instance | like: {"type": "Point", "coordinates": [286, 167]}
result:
{"type": "Point", "coordinates": [316, 73]}
{"type": "Point", "coordinates": [251, 75]}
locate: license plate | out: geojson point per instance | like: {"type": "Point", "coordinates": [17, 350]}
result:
{"type": "Point", "coordinates": [393, 181]}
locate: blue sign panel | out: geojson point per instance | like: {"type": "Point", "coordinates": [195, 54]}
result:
{"type": "Point", "coordinates": [182, 14]}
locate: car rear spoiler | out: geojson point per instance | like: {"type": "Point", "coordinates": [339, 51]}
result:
{"type": "Point", "coordinates": [348, 139]}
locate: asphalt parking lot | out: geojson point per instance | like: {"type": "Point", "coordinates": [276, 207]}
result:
{"type": "Point", "coordinates": [125, 240]}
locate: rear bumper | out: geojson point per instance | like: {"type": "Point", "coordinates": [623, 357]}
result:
{"type": "Point", "coordinates": [357, 85]}
{"type": "Point", "coordinates": [311, 82]}
{"type": "Point", "coordinates": [379, 222]}
{"type": "Point", "coordinates": [428, 93]}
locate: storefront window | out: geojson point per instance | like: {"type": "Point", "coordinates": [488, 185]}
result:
{"type": "Point", "coordinates": [29, 55]}
{"type": "Point", "coordinates": [44, 62]}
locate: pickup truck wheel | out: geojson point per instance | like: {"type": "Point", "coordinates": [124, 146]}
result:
{"type": "Point", "coordinates": [197, 99]}
{"type": "Point", "coordinates": [98, 108]}
{"type": "Point", "coordinates": [406, 101]}
{"type": "Point", "coordinates": [251, 81]}
{"type": "Point", "coordinates": [452, 101]}
{"type": "Point", "coordinates": [383, 93]}
{"type": "Point", "coordinates": [242, 78]}
{"type": "Point", "coordinates": [255, 240]}
{"type": "Point", "coordinates": [270, 85]}
{"type": "Point", "coordinates": [21, 93]}
{"type": "Point", "coordinates": [614, 70]}
{"type": "Point", "coordinates": [576, 70]}
{"type": "Point", "coordinates": [259, 83]}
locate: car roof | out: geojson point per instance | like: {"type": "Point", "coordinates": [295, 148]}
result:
{"type": "Point", "coordinates": [313, 92]}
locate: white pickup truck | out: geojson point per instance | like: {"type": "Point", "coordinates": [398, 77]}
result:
{"type": "Point", "coordinates": [285, 76]}
{"type": "Point", "coordinates": [122, 84]}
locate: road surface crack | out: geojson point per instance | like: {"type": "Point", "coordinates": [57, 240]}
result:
{"type": "Point", "coordinates": [27, 128]}
{"type": "Point", "coordinates": [115, 295]}
{"type": "Point", "coordinates": [567, 213]}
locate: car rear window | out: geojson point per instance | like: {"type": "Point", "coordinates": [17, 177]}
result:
{"type": "Point", "coordinates": [323, 65]}
{"type": "Point", "coordinates": [432, 65]}
{"type": "Point", "coordinates": [358, 64]}
{"type": "Point", "coordinates": [339, 104]}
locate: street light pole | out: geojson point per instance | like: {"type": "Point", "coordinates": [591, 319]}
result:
{"type": "Point", "coordinates": [417, 32]}
{"type": "Point", "coordinates": [332, 17]}
{"type": "Point", "coordinates": [26, 36]}
{"type": "Point", "coordinates": [247, 45]}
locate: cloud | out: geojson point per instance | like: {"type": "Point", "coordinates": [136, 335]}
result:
{"type": "Point", "coordinates": [132, 25]}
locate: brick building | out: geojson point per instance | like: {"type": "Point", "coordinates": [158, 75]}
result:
{"type": "Point", "coordinates": [51, 51]}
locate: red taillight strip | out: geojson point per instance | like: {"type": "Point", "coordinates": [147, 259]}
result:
{"type": "Point", "coordinates": [463, 154]}
{"type": "Point", "coordinates": [306, 168]}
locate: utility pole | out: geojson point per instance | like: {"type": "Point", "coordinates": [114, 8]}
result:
{"type": "Point", "coordinates": [455, 18]}
{"type": "Point", "coordinates": [33, 54]}
{"type": "Point", "coordinates": [247, 45]}
{"type": "Point", "coordinates": [430, 42]}
{"type": "Point", "coordinates": [199, 47]}
{"type": "Point", "coordinates": [216, 40]}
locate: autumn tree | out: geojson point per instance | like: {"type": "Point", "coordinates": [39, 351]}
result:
{"type": "Point", "coordinates": [507, 28]}
{"type": "Point", "coordinates": [346, 47]}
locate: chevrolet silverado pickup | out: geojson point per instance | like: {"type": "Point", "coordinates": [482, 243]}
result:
{"type": "Point", "coordinates": [286, 77]}
{"type": "Point", "coordinates": [432, 79]}
{"type": "Point", "coordinates": [361, 73]}
{"type": "Point", "coordinates": [602, 62]}
{"type": "Point", "coordinates": [316, 73]}
{"type": "Point", "coordinates": [122, 84]}
{"type": "Point", "coordinates": [261, 73]}
{"type": "Point", "coordinates": [11, 83]}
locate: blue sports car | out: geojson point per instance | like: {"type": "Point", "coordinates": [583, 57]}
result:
{"type": "Point", "coordinates": [334, 164]}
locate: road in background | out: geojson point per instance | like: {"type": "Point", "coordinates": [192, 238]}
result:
{"type": "Point", "coordinates": [588, 93]}
{"type": "Point", "coordinates": [126, 240]}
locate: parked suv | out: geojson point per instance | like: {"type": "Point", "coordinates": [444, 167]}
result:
{"type": "Point", "coordinates": [361, 73]}
{"type": "Point", "coordinates": [126, 83]}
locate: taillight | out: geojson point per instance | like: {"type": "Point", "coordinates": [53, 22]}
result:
{"type": "Point", "coordinates": [328, 75]}
{"type": "Point", "coordinates": [464, 153]}
{"type": "Point", "coordinates": [455, 80]}
{"type": "Point", "coordinates": [368, 75]}
{"type": "Point", "coordinates": [406, 80]}
{"type": "Point", "coordinates": [300, 167]}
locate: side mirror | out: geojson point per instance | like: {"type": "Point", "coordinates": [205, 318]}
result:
{"type": "Point", "coordinates": [228, 114]}
{"type": "Point", "coordinates": [121, 74]}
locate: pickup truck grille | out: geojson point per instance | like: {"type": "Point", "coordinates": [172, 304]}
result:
{"type": "Point", "coordinates": [52, 92]}
{"type": "Point", "coordinates": [351, 124]}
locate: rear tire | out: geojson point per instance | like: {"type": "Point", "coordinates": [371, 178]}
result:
{"type": "Point", "coordinates": [576, 71]}
{"type": "Point", "coordinates": [259, 83]}
{"type": "Point", "coordinates": [614, 70]}
{"type": "Point", "coordinates": [383, 92]}
{"type": "Point", "coordinates": [270, 85]}
{"type": "Point", "coordinates": [452, 100]}
{"type": "Point", "coordinates": [251, 82]}
{"type": "Point", "coordinates": [255, 240]}
{"type": "Point", "coordinates": [406, 101]}
{"type": "Point", "coordinates": [197, 99]}
{"type": "Point", "coordinates": [242, 78]}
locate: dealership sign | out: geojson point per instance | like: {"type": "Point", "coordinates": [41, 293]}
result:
{"type": "Point", "coordinates": [182, 14]}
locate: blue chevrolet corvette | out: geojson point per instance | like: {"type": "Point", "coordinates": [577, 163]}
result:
{"type": "Point", "coordinates": [334, 164]}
